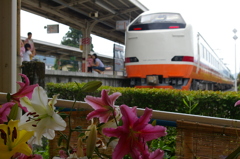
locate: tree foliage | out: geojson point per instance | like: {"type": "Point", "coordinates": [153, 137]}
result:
{"type": "Point", "coordinates": [72, 37]}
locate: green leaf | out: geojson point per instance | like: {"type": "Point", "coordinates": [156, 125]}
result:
{"type": "Point", "coordinates": [8, 97]}
{"type": "Point", "coordinates": [60, 140]}
{"type": "Point", "coordinates": [63, 115]}
{"type": "Point", "coordinates": [14, 112]}
{"type": "Point", "coordinates": [78, 128]}
{"type": "Point", "coordinates": [184, 101]}
{"type": "Point", "coordinates": [81, 135]}
{"type": "Point", "coordinates": [234, 154]}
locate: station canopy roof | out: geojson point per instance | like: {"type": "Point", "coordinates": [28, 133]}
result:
{"type": "Point", "coordinates": [64, 52]}
{"type": "Point", "coordinates": [78, 13]}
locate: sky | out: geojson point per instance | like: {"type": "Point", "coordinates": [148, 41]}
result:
{"type": "Point", "coordinates": [214, 19]}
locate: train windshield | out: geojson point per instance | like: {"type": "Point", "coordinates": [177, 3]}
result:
{"type": "Point", "coordinates": [158, 21]}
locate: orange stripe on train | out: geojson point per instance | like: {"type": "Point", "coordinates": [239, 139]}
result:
{"type": "Point", "coordinates": [173, 70]}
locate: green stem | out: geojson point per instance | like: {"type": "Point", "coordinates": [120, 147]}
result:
{"type": "Point", "coordinates": [63, 135]}
{"type": "Point", "coordinates": [100, 154]}
{"type": "Point", "coordinates": [69, 124]}
{"type": "Point", "coordinates": [114, 117]}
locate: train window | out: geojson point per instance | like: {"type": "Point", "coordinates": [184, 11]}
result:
{"type": "Point", "coordinates": [158, 21]}
{"type": "Point", "coordinates": [207, 57]}
{"type": "Point", "coordinates": [205, 53]}
{"type": "Point", "coordinates": [201, 51]}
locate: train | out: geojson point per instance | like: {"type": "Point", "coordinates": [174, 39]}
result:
{"type": "Point", "coordinates": [162, 50]}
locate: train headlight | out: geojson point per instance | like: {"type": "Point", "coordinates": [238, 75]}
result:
{"type": "Point", "coordinates": [152, 80]}
{"type": "Point", "coordinates": [131, 59]}
{"type": "Point", "coordinates": [183, 58]}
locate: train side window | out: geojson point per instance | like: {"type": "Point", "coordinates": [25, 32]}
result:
{"type": "Point", "coordinates": [201, 51]}
{"type": "Point", "coordinates": [206, 55]}
{"type": "Point", "coordinates": [204, 52]}
{"type": "Point", "coordinates": [210, 58]}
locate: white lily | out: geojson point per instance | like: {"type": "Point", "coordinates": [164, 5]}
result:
{"type": "Point", "coordinates": [41, 116]}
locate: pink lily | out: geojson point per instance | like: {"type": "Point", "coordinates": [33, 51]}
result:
{"type": "Point", "coordinates": [4, 111]}
{"type": "Point", "coordinates": [25, 90]}
{"type": "Point", "coordinates": [237, 103]}
{"type": "Point", "coordinates": [104, 106]}
{"type": "Point", "coordinates": [157, 154]}
{"type": "Point", "coordinates": [134, 133]}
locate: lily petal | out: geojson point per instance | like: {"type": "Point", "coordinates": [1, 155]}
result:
{"type": "Point", "coordinates": [102, 114]}
{"type": "Point", "coordinates": [4, 111]}
{"type": "Point", "coordinates": [41, 117]}
{"type": "Point", "coordinates": [12, 140]}
{"type": "Point", "coordinates": [104, 106]}
{"type": "Point", "coordinates": [134, 133]}
{"type": "Point", "coordinates": [122, 148]}
{"type": "Point", "coordinates": [237, 103]}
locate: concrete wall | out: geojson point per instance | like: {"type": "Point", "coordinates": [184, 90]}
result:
{"type": "Point", "coordinates": [57, 76]}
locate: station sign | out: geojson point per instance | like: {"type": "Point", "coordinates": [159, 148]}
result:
{"type": "Point", "coordinates": [122, 24]}
{"type": "Point", "coordinates": [52, 28]}
{"type": "Point", "coordinates": [118, 56]}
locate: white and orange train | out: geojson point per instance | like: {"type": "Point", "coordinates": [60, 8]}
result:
{"type": "Point", "coordinates": [163, 51]}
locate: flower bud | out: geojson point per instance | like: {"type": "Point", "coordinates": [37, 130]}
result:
{"type": "Point", "coordinates": [91, 86]}
{"type": "Point", "coordinates": [91, 141]}
{"type": "Point", "coordinates": [80, 148]}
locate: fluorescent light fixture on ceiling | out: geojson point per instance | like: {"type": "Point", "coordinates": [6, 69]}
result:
{"type": "Point", "coordinates": [105, 7]}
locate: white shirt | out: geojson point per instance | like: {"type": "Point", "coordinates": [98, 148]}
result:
{"type": "Point", "coordinates": [26, 55]}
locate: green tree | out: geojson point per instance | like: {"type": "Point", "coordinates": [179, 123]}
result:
{"type": "Point", "coordinates": [71, 38]}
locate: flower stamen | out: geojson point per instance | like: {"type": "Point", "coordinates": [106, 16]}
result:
{"type": "Point", "coordinates": [4, 136]}
{"type": "Point", "coordinates": [14, 134]}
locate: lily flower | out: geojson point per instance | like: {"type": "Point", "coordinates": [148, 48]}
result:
{"type": "Point", "coordinates": [25, 90]}
{"type": "Point", "coordinates": [41, 118]}
{"type": "Point", "coordinates": [103, 106]}
{"type": "Point", "coordinates": [12, 140]}
{"type": "Point", "coordinates": [237, 103]}
{"type": "Point", "coordinates": [4, 111]}
{"type": "Point", "coordinates": [134, 133]}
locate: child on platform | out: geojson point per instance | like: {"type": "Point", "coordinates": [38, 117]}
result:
{"type": "Point", "coordinates": [89, 63]}
{"type": "Point", "coordinates": [27, 54]}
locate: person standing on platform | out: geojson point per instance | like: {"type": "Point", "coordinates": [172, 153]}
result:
{"type": "Point", "coordinates": [22, 49]}
{"type": "Point", "coordinates": [97, 65]}
{"type": "Point", "coordinates": [30, 41]}
{"type": "Point", "coordinates": [89, 63]}
{"type": "Point", "coordinates": [27, 54]}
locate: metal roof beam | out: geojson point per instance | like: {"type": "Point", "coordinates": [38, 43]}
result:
{"type": "Point", "coordinates": [82, 12]}
{"type": "Point", "coordinates": [72, 4]}
{"type": "Point", "coordinates": [51, 10]}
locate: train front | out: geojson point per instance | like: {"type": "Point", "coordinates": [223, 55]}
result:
{"type": "Point", "coordinates": [159, 51]}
